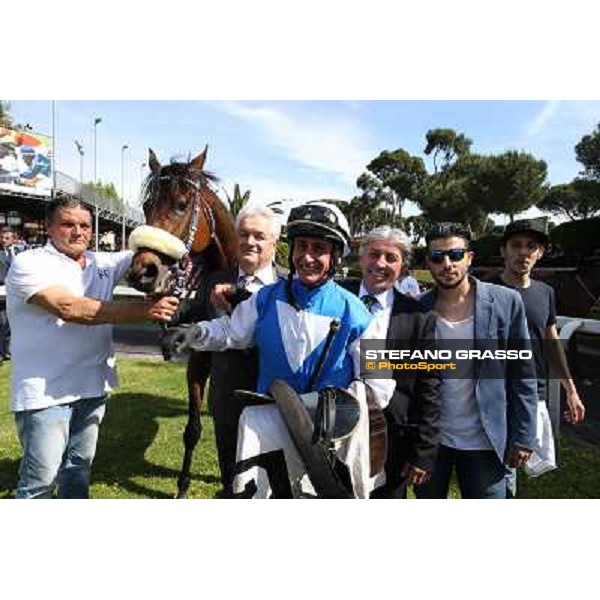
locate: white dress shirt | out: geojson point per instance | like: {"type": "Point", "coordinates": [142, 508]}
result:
{"type": "Point", "coordinates": [382, 309]}
{"type": "Point", "coordinates": [265, 276]}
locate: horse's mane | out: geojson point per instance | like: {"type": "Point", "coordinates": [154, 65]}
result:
{"type": "Point", "coordinates": [174, 170]}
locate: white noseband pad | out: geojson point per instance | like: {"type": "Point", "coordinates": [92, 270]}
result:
{"type": "Point", "coordinates": [158, 240]}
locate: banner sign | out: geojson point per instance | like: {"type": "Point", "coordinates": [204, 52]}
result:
{"type": "Point", "coordinates": [25, 162]}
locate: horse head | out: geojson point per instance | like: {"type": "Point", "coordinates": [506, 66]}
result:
{"type": "Point", "coordinates": [185, 219]}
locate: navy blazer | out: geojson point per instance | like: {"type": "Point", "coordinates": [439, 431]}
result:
{"type": "Point", "coordinates": [507, 406]}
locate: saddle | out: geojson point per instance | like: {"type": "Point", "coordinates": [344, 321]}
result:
{"type": "Point", "coordinates": [315, 440]}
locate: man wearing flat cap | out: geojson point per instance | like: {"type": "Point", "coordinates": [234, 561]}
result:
{"type": "Point", "coordinates": [523, 244]}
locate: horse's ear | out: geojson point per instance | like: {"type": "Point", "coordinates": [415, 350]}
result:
{"type": "Point", "coordinates": [197, 163]}
{"type": "Point", "coordinates": [153, 161]}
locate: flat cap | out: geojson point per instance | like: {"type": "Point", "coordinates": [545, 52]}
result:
{"type": "Point", "coordinates": [533, 226]}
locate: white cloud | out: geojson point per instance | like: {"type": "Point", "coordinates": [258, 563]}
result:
{"type": "Point", "coordinates": [564, 119]}
{"type": "Point", "coordinates": [544, 116]}
{"type": "Point", "coordinates": [338, 146]}
{"type": "Point", "coordinates": [555, 130]}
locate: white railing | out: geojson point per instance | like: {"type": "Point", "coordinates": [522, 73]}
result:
{"type": "Point", "coordinates": [567, 327]}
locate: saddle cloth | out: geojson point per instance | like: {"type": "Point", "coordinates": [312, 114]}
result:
{"type": "Point", "coordinates": [269, 465]}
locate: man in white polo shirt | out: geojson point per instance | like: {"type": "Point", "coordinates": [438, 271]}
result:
{"type": "Point", "coordinates": [62, 367]}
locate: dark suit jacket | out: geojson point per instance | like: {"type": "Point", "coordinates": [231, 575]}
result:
{"type": "Point", "coordinates": [231, 370]}
{"type": "Point", "coordinates": [5, 260]}
{"type": "Point", "coordinates": [414, 411]}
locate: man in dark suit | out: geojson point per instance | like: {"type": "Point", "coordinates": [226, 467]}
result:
{"type": "Point", "coordinates": [413, 413]}
{"type": "Point", "coordinates": [7, 239]}
{"type": "Point", "coordinates": [257, 231]}
{"type": "Point", "coordinates": [7, 253]}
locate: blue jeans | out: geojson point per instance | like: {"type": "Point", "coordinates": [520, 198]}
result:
{"type": "Point", "coordinates": [480, 475]}
{"type": "Point", "coordinates": [59, 444]}
{"type": "Point", "coordinates": [511, 483]}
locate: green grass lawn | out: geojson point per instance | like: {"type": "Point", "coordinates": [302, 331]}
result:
{"type": "Point", "coordinates": [140, 447]}
{"type": "Point", "coordinates": [423, 276]}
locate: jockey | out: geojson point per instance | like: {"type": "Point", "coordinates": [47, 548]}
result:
{"type": "Point", "coordinates": [290, 322]}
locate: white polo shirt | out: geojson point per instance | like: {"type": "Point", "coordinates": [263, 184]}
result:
{"type": "Point", "coordinates": [54, 362]}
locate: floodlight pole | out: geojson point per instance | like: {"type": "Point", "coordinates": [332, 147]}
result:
{"type": "Point", "coordinates": [79, 146]}
{"type": "Point", "coordinates": [97, 219]}
{"type": "Point", "coordinates": [123, 148]}
{"type": "Point", "coordinates": [53, 164]}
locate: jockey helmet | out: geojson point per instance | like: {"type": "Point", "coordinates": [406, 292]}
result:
{"type": "Point", "coordinates": [321, 220]}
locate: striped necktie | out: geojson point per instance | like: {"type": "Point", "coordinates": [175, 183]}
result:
{"type": "Point", "coordinates": [245, 280]}
{"type": "Point", "coordinates": [370, 302]}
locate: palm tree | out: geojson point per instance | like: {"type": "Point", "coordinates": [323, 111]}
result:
{"type": "Point", "coordinates": [238, 201]}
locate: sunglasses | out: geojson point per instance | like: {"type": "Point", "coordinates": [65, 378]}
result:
{"type": "Point", "coordinates": [454, 254]}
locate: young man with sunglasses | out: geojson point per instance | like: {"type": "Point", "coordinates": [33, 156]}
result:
{"type": "Point", "coordinates": [487, 424]}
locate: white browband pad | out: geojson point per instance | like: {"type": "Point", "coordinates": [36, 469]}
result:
{"type": "Point", "coordinates": [159, 240]}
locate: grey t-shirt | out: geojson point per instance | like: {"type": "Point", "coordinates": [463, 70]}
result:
{"type": "Point", "coordinates": [460, 421]}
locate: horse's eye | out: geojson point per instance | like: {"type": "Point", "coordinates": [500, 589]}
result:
{"type": "Point", "coordinates": [180, 204]}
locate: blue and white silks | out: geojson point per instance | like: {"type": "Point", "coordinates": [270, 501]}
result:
{"type": "Point", "coordinates": [290, 342]}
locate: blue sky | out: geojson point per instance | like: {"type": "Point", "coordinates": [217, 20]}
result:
{"type": "Point", "coordinates": [300, 149]}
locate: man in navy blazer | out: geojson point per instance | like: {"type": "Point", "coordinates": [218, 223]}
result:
{"type": "Point", "coordinates": [488, 414]}
{"type": "Point", "coordinates": [413, 412]}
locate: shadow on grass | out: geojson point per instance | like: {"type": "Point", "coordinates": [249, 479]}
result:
{"type": "Point", "coordinates": [9, 469]}
{"type": "Point", "coordinates": [129, 429]}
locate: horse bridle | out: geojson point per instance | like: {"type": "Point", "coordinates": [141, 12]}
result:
{"type": "Point", "coordinates": [183, 269]}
